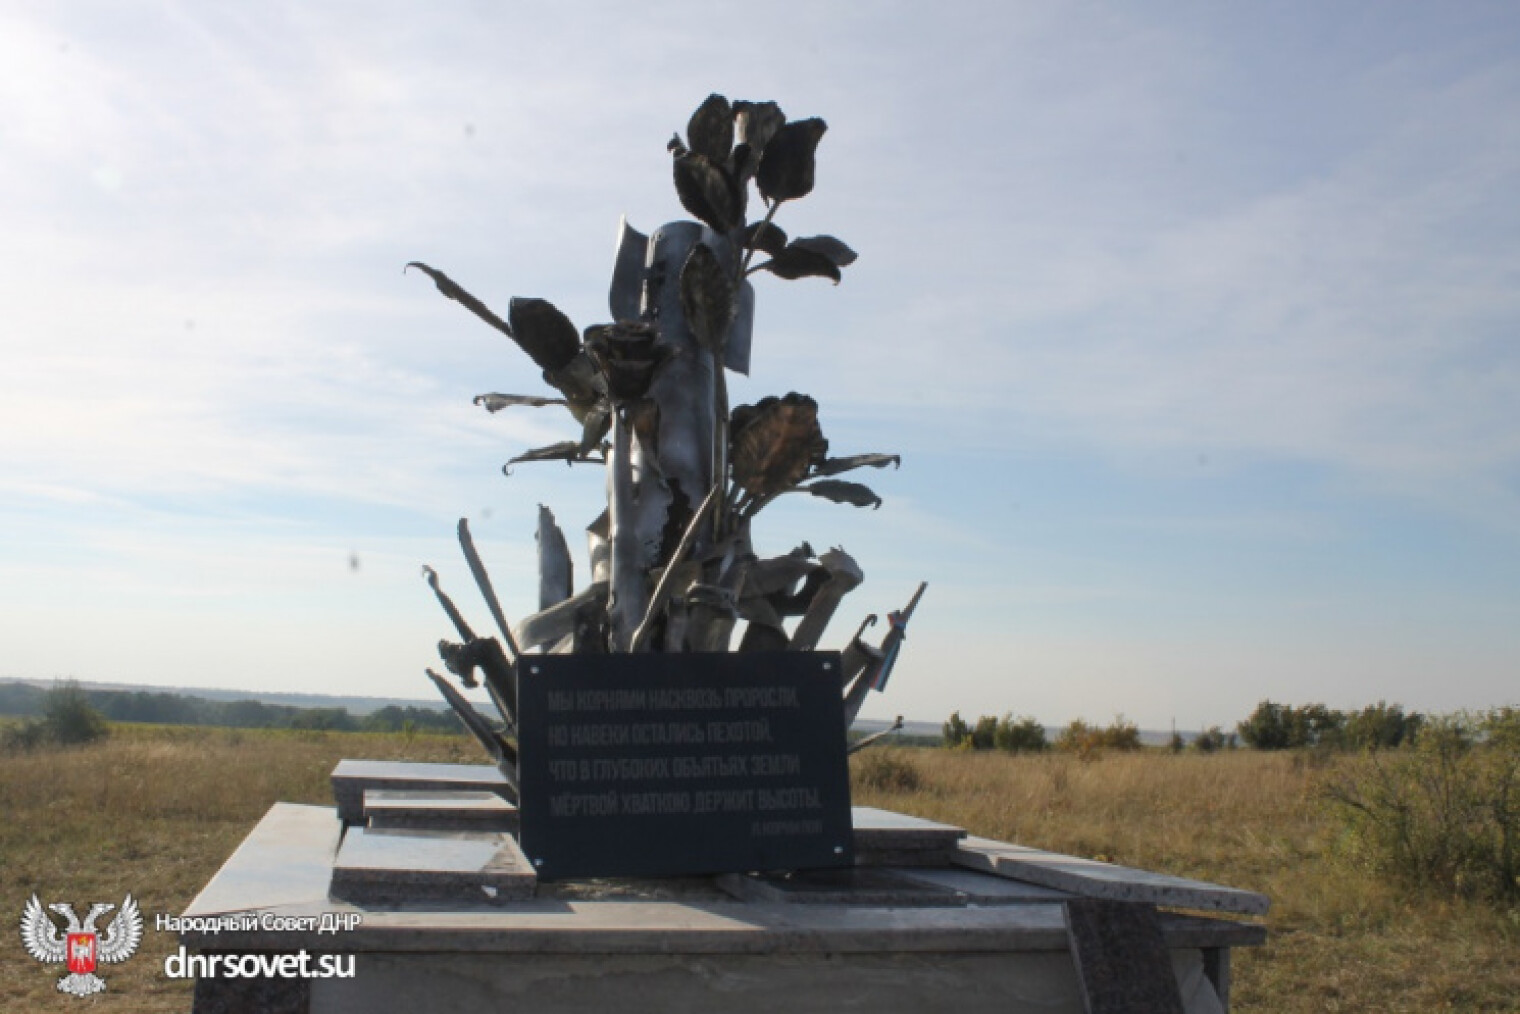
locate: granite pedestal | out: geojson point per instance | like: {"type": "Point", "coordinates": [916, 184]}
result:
{"type": "Point", "coordinates": [958, 923]}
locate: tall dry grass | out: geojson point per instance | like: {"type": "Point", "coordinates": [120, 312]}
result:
{"type": "Point", "coordinates": [1341, 938]}
{"type": "Point", "coordinates": [156, 811]}
{"type": "Point", "coordinates": [153, 810]}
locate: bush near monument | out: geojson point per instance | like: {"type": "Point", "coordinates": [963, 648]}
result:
{"type": "Point", "coordinates": [1006, 733]}
{"type": "Point", "coordinates": [1275, 726]}
{"type": "Point", "coordinates": [1444, 812]}
{"type": "Point", "coordinates": [68, 719]}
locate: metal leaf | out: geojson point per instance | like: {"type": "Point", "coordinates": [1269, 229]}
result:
{"type": "Point", "coordinates": [708, 192]}
{"type": "Point", "coordinates": [593, 428]}
{"type": "Point", "coordinates": [454, 291]}
{"type": "Point", "coordinates": [707, 296]}
{"type": "Point", "coordinates": [763, 637]}
{"type": "Point", "coordinates": [562, 451]}
{"type": "Point", "coordinates": [831, 247]}
{"type": "Point", "coordinates": [581, 383]}
{"type": "Point", "coordinates": [767, 236]}
{"type": "Point", "coordinates": [757, 122]}
{"type": "Point", "coordinates": [710, 131]}
{"type": "Point", "coordinates": [775, 443]}
{"type": "Point", "coordinates": [840, 491]}
{"type": "Point", "coordinates": [543, 332]}
{"type": "Point", "coordinates": [556, 569]}
{"type": "Point", "coordinates": [627, 288]}
{"type": "Point", "coordinates": [795, 262]}
{"type": "Point", "coordinates": [786, 167]}
{"type": "Point", "coordinates": [497, 402]}
{"type": "Point", "coordinates": [627, 354]}
{"type": "Point", "coordinates": [834, 466]}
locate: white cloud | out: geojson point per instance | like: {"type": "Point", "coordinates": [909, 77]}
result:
{"type": "Point", "coordinates": [1114, 232]}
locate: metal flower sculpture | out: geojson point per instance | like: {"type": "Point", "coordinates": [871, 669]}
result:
{"type": "Point", "coordinates": [672, 566]}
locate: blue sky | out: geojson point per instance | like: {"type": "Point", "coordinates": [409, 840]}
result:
{"type": "Point", "coordinates": [1195, 326]}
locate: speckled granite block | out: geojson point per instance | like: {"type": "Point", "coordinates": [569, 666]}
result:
{"type": "Point", "coordinates": [1093, 879]}
{"type": "Point", "coordinates": [438, 811]}
{"type": "Point", "coordinates": [885, 831]}
{"type": "Point", "coordinates": [352, 777]}
{"type": "Point", "coordinates": [1123, 966]}
{"type": "Point", "coordinates": [392, 866]}
{"type": "Point", "coordinates": [981, 889]}
{"type": "Point", "coordinates": [855, 886]}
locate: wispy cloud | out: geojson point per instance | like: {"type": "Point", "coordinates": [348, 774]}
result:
{"type": "Point", "coordinates": [1109, 233]}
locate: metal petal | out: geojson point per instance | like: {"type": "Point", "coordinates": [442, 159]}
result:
{"type": "Point", "coordinates": [710, 131]}
{"type": "Point", "coordinates": [707, 296]}
{"type": "Point", "coordinates": [840, 491]}
{"type": "Point", "coordinates": [708, 192]}
{"type": "Point", "coordinates": [627, 289]}
{"type": "Point", "coordinates": [565, 450]}
{"type": "Point", "coordinates": [556, 570]}
{"type": "Point", "coordinates": [543, 332]}
{"type": "Point", "coordinates": [497, 402]}
{"type": "Point", "coordinates": [775, 443]}
{"type": "Point", "coordinates": [796, 262]}
{"type": "Point", "coordinates": [832, 248]}
{"type": "Point", "coordinates": [786, 168]}
{"type": "Point", "coordinates": [834, 466]}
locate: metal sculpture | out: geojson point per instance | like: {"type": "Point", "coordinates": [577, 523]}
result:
{"type": "Point", "coordinates": [672, 564]}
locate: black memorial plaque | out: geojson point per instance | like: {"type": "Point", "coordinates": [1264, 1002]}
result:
{"type": "Point", "coordinates": [655, 765]}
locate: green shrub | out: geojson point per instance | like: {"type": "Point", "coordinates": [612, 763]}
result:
{"type": "Point", "coordinates": [1444, 812]}
{"type": "Point", "coordinates": [886, 770]}
{"type": "Point", "coordinates": [1210, 740]}
{"type": "Point", "coordinates": [68, 718]}
{"type": "Point", "coordinates": [22, 736]}
{"type": "Point", "coordinates": [1019, 736]}
{"type": "Point", "coordinates": [1382, 725]}
{"type": "Point", "coordinates": [955, 731]}
{"type": "Point", "coordinates": [984, 735]}
{"type": "Point", "coordinates": [1087, 741]}
{"type": "Point", "coordinates": [1275, 726]}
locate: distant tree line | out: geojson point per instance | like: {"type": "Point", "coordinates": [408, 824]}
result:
{"type": "Point", "coordinates": [1006, 733]}
{"type": "Point", "coordinates": [164, 708]}
{"type": "Point", "coordinates": [1271, 726]}
{"type": "Point", "coordinates": [1026, 735]}
{"type": "Point", "coordinates": [1274, 726]}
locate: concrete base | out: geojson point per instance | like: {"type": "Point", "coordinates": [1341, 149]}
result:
{"type": "Point", "coordinates": [1029, 983]}
{"type": "Point", "coordinates": [986, 934]}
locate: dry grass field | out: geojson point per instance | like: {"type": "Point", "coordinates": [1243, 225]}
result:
{"type": "Point", "coordinates": [1341, 939]}
{"type": "Point", "coordinates": [156, 810]}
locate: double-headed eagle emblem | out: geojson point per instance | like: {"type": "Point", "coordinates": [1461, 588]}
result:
{"type": "Point", "coordinates": [81, 946]}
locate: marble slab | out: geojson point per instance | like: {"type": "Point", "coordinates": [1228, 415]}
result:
{"type": "Point", "coordinates": [392, 866]}
{"type": "Point", "coordinates": [982, 889]}
{"type": "Point", "coordinates": [854, 886]}
{"type": "Point", "coordinates": [286, 859]}
{"type": "Point", "coordinates": [885, 831]}
{"type": "Point", "coordinates": [352, 777]}
{"type": "Point", "coordinates": [438, 810]}
{"type": "Point", "coordinates": [1092, 879]}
